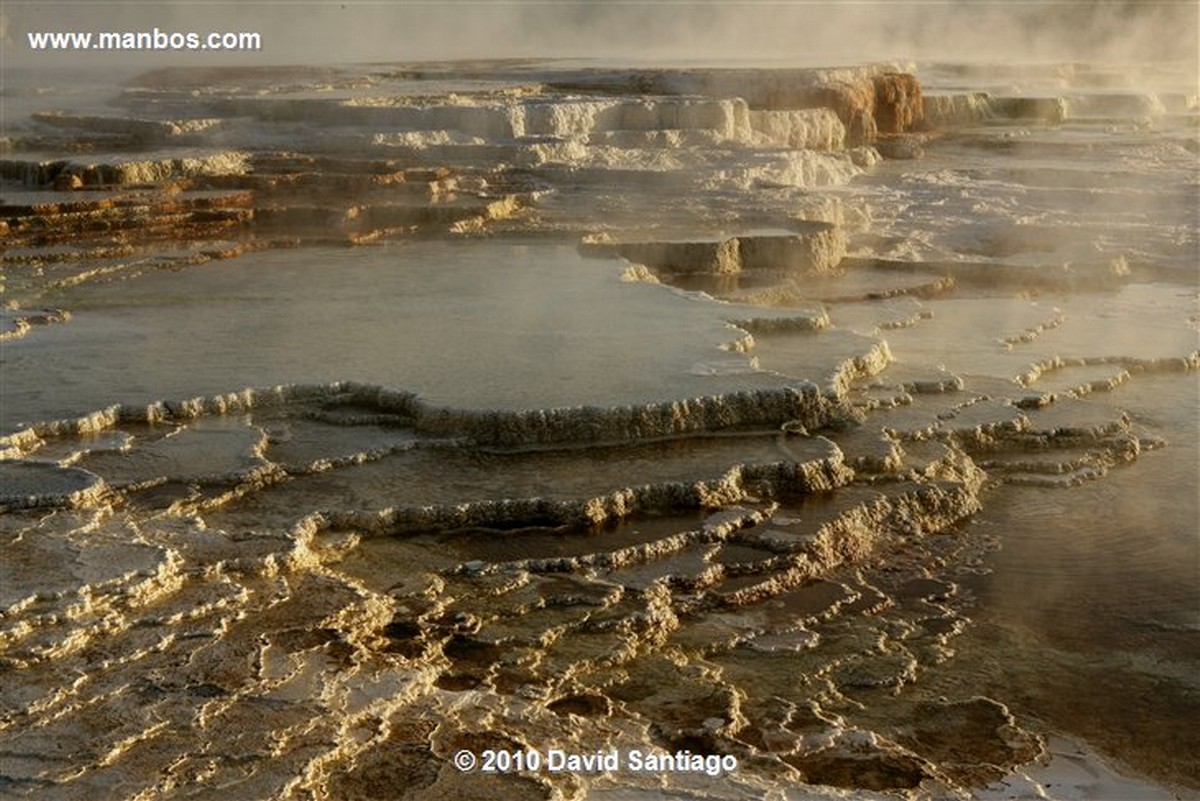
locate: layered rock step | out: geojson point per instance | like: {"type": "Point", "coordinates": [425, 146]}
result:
{"type": "Point", "coordinates": [811, 247]}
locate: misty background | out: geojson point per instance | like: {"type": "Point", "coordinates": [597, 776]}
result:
{"type": "Point", "coordinates": [799, 32]}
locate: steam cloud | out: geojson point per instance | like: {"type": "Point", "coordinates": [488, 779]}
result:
{"type": "Point", "coordinates": [666, 31]}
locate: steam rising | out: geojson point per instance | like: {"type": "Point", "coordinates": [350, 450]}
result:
{"type": "Point", "coordinates": [756, 31]}
{"type": "Point", "coordinates": [695, 402]}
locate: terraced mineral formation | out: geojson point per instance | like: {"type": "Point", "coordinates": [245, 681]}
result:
{"type": "Point", "coordinates": [396, 412]}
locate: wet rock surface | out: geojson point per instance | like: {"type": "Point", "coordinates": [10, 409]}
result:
{"type": "Point", "coordinates": [231, 573]}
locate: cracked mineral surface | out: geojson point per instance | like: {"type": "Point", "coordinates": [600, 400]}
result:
{"type": "Point", "coordinates": [840, 423]}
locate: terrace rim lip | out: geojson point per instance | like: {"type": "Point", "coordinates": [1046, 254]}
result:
{"type": "Point", "coordinates": [780, 572]}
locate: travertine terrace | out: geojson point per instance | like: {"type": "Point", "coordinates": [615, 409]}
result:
{"type": "Point", "coordinates": [353, 417]}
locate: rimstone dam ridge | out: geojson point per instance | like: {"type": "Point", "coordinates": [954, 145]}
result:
{"type": "Point", "coordinates": [841, 422]}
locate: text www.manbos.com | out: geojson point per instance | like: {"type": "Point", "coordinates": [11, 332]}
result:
{"type": "Point", "coordinates": [143, 40]}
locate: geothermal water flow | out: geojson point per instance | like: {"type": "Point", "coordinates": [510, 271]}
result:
{"type": "Point", "coordinates": [838, 424]}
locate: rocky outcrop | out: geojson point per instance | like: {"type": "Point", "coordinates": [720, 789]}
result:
{"type": "Point", "coordinates": [815, 247]}
{"type": "Point", "coordinates": [860, 96]}
{"type": "Point", "coordinates": [123, 170]}
{"type": "Point", "coordinates": [813, 129]}
{"type": "Point", "coordinates": [17, 322]}
{"type": "Point", "coordinates": [770, 408]}
{"type": "Point", "coordinates": [30, 485]}
{"type": "Point", "coordinates": [945, 110]}
{"type": "Point", "coordinates": [136, 132]}
{"type": "Point", "coordinates": [898, 104]}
